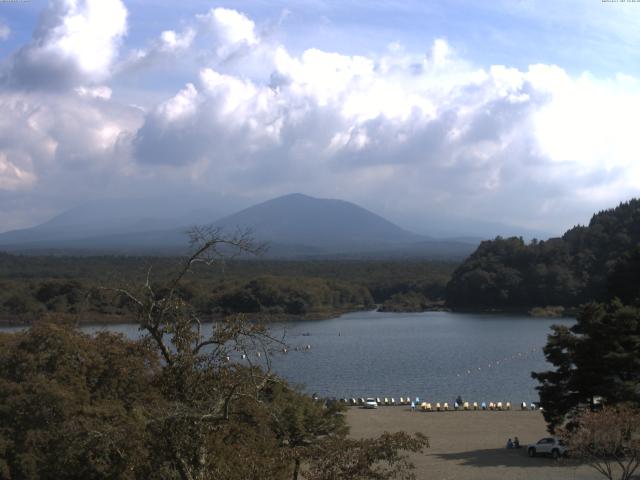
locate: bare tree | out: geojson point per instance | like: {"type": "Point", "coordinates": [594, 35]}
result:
{"type": "Point", "coordinates": [608, 440]}
{"type": "Point", "coordinates": [198, 379]}
{"type": "Point", "coordinates": [209, 399]}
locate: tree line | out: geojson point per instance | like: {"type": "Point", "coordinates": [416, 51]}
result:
{"type": "Point", "coordinates": [33, 288]}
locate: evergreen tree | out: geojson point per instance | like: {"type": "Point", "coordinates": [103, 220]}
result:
{"type": "Point", "coordinates": [597, 357]}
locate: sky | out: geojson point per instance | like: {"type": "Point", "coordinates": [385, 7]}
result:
{"type": "Point", "coordinates": [522, 112]}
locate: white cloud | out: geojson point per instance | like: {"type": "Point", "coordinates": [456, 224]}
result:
{"type": "Point", "coordinates": [5, 31]}
{"type": "Point", "coordinates": [165, 48]}
{"type": "Point", "coordinates": [101, 92]}
{"type": "Point", "coordinates": [89, 33]}
{"type": "Point", "coordinates": [398, 132]}
{"type": "Point", "coordinates": [172, 41]}
{"type": "Point", "coordinates": [467, 136]}
{"type": "Point", "coordinates": [77, 40]}
{"type": "Point", "coordinates": [232, 30]}
{"type": "Point", "coordinates": [13, 177]}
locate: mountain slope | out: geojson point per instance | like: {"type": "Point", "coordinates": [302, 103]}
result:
{"type": "Point", "coordinates": [321, 223]}
{"type": "Point", "coordinates": [293, 225]}
{"type": "Point", "coordinates": [87, 224]}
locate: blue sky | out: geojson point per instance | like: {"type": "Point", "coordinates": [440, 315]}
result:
{"type": "Point", "coordinates": [521, 112]}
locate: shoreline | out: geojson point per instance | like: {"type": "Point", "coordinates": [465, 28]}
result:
{"type": "Point", "coordinates": [100, 319]}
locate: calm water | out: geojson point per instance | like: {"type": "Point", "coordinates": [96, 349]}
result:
{"type": "Point", "coordinates": [433, 355]}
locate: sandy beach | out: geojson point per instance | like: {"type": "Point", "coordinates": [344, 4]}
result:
{"type": "Point", "coordinates": [470, 445]}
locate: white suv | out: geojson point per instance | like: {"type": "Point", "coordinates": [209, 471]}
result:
{"type": "Point", "coordinates": [548, 446]}
{"type": "Point", "coordinates": [370, 403]}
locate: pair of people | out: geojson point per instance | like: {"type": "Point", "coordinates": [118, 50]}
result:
{"type": "Point", "coordinates": [513, 444]}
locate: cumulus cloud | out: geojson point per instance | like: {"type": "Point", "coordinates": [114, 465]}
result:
{"type": "Point", "coordinates": [75, 41]}
{"type": "Point", "coordinates": [232, 30]}
{"type": "Point", "coordinates": [443, 129]}
{"type": "Point", "coordinates": [403, 133]}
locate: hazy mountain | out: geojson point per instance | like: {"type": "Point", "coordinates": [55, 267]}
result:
{"type": "Point", "coordinates": [294, 225]}
{"type": "Point", "coordinates": [103, 222]}
{"type": "Point", "coordinates": [328, 224]}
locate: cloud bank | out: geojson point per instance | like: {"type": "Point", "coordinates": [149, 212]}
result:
{"type": "Point", "coordinates": [411, 135]}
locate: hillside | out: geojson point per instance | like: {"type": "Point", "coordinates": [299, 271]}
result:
{"type": "Point", "coordinates": [594, 262]}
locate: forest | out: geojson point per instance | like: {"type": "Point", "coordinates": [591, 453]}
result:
{"type": "Point", "coordinates": [37, 287]}
{"type": "Point", "coordinates": [596, 262]}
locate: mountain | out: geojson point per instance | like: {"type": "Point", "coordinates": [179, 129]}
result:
{"type": "Point", "coordinates": [321, 223]}
{"type": "Point", "coordinates": [294, 225]}
{"type": "Point", "coordinates": [106, 223]}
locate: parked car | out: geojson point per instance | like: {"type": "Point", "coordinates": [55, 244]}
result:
{"type": "Point", "coordinates": [370, 403]}
{"type": "Point", "coordinates": [548, 446]}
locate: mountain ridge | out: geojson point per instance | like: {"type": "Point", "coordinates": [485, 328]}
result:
{"type": "Point", "coordinates": [295, 225]}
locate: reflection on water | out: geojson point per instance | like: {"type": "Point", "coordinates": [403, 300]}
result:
{"type": "Point", "coordinates": [434, 355]}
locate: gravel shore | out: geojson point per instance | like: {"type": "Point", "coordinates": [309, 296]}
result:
{"type": "Point", "coordinates": [470, 445]}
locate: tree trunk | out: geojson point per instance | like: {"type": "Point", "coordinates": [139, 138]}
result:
{"type": "Point", "coordinates": [296, 469]}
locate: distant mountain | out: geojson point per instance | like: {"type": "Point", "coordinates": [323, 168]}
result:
{"type": "Point", "coordinates": [294, 225]}
{"type": "Point", "coordinates": [321, 223]}
{"type": "Point", "coordinates": [102, 223]}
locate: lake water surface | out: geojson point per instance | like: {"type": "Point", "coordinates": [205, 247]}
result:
{"type": "Point", "coordinates": [433, 355]}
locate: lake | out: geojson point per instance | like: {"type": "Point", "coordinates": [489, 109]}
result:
{"type": "Point", "coordinates": [434, 355]}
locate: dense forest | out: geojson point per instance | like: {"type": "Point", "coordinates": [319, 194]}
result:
{"type": "Point", "coordinates": [36, 287]}
{"type": "Point", "coordinates": [588, 263]}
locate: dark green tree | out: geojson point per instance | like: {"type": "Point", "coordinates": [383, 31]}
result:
{"type": "Point", "coordinates": [599, 356]}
